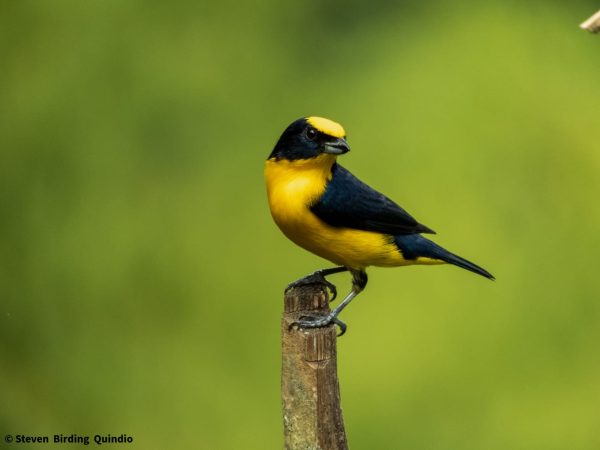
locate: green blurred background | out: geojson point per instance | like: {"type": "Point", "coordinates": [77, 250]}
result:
{"type": "Point", "coordinates": [141, 275]}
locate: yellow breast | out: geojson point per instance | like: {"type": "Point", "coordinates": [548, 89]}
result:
{"type": "Point", "coordinates": [292, 187]}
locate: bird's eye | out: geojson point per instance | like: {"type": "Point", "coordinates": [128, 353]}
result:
{"type": "Point", "coordinates": [311, 133]}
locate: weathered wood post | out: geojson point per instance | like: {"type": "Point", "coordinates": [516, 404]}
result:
{"type": "Point", "coordinates": [312, 416]}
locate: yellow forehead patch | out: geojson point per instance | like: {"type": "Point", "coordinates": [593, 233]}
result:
{"type": "Point", "coordinates": [327, 126]}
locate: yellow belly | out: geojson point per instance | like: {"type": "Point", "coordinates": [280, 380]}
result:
{"type": "Point", "coordinates": [292, 186]}
{"type": "Point", "coordinates": [344, 246]}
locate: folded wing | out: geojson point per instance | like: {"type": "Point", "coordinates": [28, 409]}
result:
{"type": "Point", "coordinates": [348, 202]}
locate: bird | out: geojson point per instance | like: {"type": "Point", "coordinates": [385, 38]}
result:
{"type": "Point", "coordinates": [322, 207]}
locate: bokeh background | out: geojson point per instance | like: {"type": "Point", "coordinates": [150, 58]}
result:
{"type": "Point", "coordinates": [141, 275]}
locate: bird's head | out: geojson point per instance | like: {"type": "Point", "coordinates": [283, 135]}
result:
{"type": "Point", "coordinates": [310, 137]}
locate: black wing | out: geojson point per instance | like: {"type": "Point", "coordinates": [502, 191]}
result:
{"type": "Point", "coordinates": [348, 202]}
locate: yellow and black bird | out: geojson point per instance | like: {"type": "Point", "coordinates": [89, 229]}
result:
{"type": "Point", "coordinates": [325, 209]}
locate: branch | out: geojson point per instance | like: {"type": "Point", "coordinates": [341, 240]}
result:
{"type": "Point", "coordinates": [312, 416]}
{"type": "Point", "coordinates": [592, 24]}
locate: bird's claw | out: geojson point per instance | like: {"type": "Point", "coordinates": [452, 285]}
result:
{"type": "Point", "coordinates": [320, 322]}
{"type": "Point", "coordinates": [314, 278]}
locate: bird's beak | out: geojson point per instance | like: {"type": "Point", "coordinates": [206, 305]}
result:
{"type": "Point", "coordinates": [337, 147]}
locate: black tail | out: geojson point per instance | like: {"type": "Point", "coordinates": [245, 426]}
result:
{"type": "Point", "coordinates": [451, 258]}
{"type": "Point", "coordinates": [414, 245]}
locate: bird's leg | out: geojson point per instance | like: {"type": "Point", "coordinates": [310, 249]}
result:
{"type": "Point", "coordinates": [318, 277]}
{"type": "Point", "coordinates": [359, 281]}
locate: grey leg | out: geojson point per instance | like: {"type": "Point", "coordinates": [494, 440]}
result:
{"type": "Point", "coordinates": [318, 277]}
{"type": "Point", "coordinates": [359, 281]}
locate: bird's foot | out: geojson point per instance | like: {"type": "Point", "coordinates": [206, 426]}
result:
{"type": "Point", "coordinates": [315, 278]}
{"type": "Point", "coordinates": [320, 322]}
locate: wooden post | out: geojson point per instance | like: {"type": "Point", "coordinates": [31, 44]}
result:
{"type": "Point", "coordinates": [312, 416]}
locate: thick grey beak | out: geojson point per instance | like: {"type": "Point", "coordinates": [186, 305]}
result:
{"type": "Point", "coordinates": [337, 147]}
